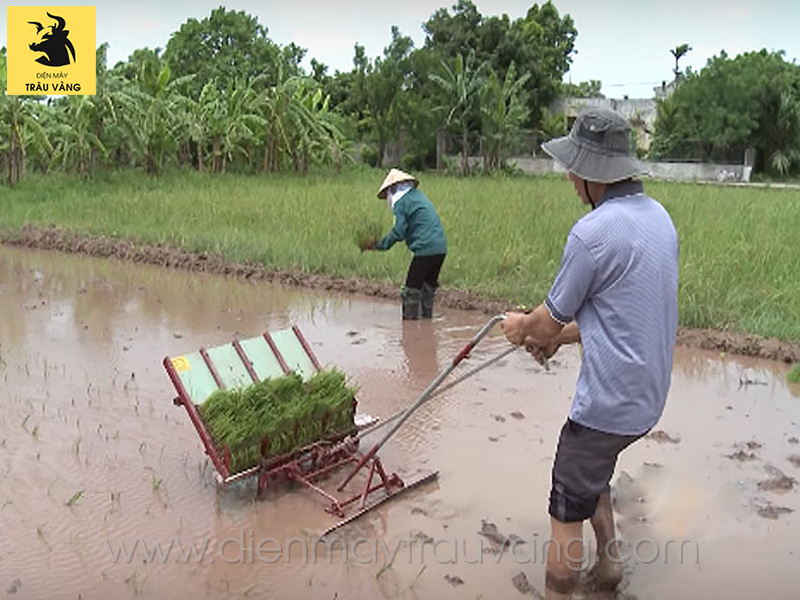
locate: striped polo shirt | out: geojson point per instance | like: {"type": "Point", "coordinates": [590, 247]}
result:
{"type": "Point", "coordinates": [619, 281]}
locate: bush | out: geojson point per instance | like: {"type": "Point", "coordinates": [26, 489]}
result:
{"type": "Point", "coordinates": [413, 162]}
{"type": "Point", "coordinates": [369, 154]}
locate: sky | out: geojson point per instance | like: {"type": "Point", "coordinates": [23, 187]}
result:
{"type": "Point", "coordinates": [623, 43]}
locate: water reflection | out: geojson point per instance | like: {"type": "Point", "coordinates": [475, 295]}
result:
{"type": "Point", "coordinates": [420, 347]}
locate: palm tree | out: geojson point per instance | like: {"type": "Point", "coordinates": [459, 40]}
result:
{"type": "Point", "coordinates": [678, 52]}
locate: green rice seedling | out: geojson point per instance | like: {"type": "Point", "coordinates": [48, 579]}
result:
{"type": "Point", "coordinates": [417, 578]}
{"type": "Point", "coordinates": [75, 497]}
{"type": "Point", "coordinates": [42, 537]}
{"type": "Point", "coordinates": [287, 411]}
{"type": "Point", "coordinates": [367, 234]}
{"type": "Point", "coordinates": [794, 374]}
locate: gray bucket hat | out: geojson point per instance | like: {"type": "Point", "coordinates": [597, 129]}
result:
{"type": "Point", "coordinates": [597, 147]}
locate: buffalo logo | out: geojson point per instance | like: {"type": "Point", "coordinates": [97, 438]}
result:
{"type": "Point", "coordinates": [53, 43]}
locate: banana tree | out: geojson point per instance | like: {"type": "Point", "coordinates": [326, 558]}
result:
{"type": "Point", "coordinates": [286, 120]}
{"type": "Point", "coordinates": [153, 116]}
{"type": "Point", "coordinates": [240, 123]}
{"type": "Point", "coordinates": [461, 85]}
{"type": "Point", "coordinates": [74, 135]}
{"type": "Point", "coordinates": [503, 111]}
{"type": "Point", "coordinates": [19, 126]}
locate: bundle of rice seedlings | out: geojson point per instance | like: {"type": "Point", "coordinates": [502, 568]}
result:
{"type": "Point", "coordinates": [291, 413]}
{"type": "Point", "coordinates": [367, 235]}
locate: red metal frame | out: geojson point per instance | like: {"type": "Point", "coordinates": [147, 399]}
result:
{"type": "Point", "coordinates": [305, 465]}
{"type": "Point", "coordinates": [306, 347]}
{"type": "Point", "coordinates": [212, 368]}
{"type": "Point", "coordinates": [194, 415]}
{"type": "Point", "coordinates": [277, 353]}
{"type": "Point", "coordinates": [248, 364]}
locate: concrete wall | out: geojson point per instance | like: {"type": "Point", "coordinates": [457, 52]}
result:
{"type": "Point", "coordinates": [641, 112]}
{"type": "Point", "coordinates": [660, 170]}
{"type": "Point", "coordinates": [635, 108]}
{"type": "Point", "coordinates": [699, 171]}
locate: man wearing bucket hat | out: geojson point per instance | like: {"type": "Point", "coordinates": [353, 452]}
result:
{"type": "Point", "coordinates": [417, 222]}
{"type": "Point", "coordinates": [616, 294]}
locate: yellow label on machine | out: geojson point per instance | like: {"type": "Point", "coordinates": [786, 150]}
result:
{"type": "Point", "coordinates": [181, 364]}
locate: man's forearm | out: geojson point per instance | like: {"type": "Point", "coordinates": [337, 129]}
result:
{"type": "Point", "coordinates": [541, 327]}
{"type": "Point", "coordinates": [570, 334]}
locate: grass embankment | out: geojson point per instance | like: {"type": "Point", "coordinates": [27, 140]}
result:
{"type": "Point", "coordinates": [739, 248]}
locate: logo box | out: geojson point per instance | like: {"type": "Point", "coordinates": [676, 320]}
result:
{"type": "Point", "coordinates": [51, 50]}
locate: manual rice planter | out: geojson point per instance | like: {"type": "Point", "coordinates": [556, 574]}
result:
{"type": "Point", "coordinates": [241, 363]}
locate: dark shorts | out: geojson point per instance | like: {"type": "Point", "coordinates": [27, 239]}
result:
{"type": "Point", "coordinates": [424, 269]}
{"type": "Point", "coordinates": [582, 470]}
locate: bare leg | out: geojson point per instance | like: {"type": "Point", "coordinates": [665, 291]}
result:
{"type": "Point", "coordinates": [564, 559]}
{"type": "Point", "coordinates": [607, 573]}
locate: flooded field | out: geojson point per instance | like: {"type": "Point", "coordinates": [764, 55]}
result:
{"type": "Point", "coordinates": [98, 467]}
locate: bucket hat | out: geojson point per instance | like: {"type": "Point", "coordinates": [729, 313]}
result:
{"type": "Point", "coordinates": [395, 176]}
{"type": "Point", "coordinates": [597, 147]}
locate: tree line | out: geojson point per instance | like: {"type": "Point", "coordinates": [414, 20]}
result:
{"type": "Point", "coordinates": [749, 101]}
{"type": "Point", "coordinates": [222, 96]}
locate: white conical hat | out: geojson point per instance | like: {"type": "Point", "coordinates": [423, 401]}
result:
{"type": "Point", "coordinates": [395, 176]}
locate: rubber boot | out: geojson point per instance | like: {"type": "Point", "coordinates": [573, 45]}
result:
{"type": "Point", "coordinates": [428, 293]}
{"type": "Point", "coordinates": [411, 303]}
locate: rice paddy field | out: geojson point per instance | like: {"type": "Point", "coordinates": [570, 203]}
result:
{"type": "Point", "coordinates": [739, 251]}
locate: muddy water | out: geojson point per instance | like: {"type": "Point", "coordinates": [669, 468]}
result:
{"type": "Point", "coordinates": [93, 454]}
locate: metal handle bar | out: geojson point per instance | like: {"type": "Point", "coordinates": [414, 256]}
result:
{"type": "Point", "coordinates": [383, 423]}
{"type": "Point", "coordinates": [426, 395]}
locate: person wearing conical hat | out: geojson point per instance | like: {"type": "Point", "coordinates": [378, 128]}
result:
{"type": "Point", "coordinates": [616, 293]}
{"type": "Point", "coordinates": [418, 224]}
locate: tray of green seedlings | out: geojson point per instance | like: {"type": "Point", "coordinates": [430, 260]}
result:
{"type": "Point", "coordinates": [290, 412]}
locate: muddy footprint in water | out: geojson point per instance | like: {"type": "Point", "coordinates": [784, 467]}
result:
{"type": "Point", "coordinates": [743, 452]}
{"type": "Point", "coordinates": [768, 510]}
{"type": "Point", "coordinates": [629, 497]}
{"type": "Point", "coordinates": [777, 481]}
{"type": "Point", "coordinates": [589, 588]}
{"type": "Point", "coordinates": [662, 437]}
{"type": "Point", "coordinates": [524, 587]}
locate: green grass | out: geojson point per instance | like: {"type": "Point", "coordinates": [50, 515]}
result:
{"type": "Point", "coordinates": [794, 374]}
{"type": "Point", "coordinates": [739, 246]}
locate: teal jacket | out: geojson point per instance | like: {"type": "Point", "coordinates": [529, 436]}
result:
{"type": "Point", "coordinates": [416, 222]}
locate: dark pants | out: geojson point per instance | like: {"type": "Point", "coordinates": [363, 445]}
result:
{"type": "Point", "coordinates": [424, 269]}
{"type": "Point", "coordinates": [421, 283]}
{"type": "Point", "coordinates": [582, 470]}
